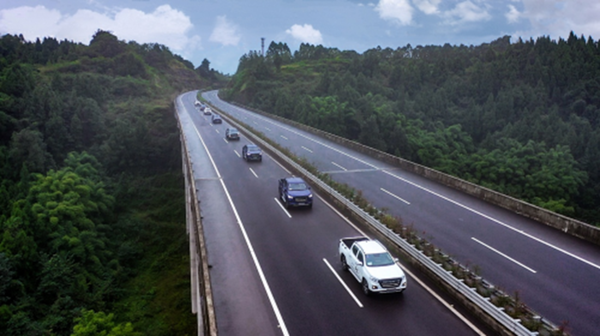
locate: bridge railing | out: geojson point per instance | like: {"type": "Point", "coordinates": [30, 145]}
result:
{"type": "Point", "coordinates": [201, 293]}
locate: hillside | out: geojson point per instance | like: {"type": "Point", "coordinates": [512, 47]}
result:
{"type": "Point", "coordinates": [522, 118]}
{"type": "Point", "coordinates": [91, 193]}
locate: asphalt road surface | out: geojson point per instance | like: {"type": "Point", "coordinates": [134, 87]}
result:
{"type": "Point", "coordinates": [552, 272]}
{"type": "Point", "coordinates": [276, 271]}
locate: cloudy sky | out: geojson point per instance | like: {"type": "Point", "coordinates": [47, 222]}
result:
{"type": "Point", "coordinates": [223, 30]}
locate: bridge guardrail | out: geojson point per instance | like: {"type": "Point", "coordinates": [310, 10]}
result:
{"type": "Point", "coordinates": [202, 300]}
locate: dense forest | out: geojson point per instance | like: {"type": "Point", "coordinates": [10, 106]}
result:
{"type": "Point", "coordinates": [92, 210]}
{"type": "Point", "coordinates": [522, 118]}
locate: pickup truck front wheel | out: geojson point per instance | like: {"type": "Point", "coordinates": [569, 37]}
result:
{"type": "Point", "coordinates": [365, 288]}
{"type": "Point", "coordinates": [344, 263]}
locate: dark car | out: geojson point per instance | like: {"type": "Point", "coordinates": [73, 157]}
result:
{"type": "Point", "coordinates": [216, 119]}
{"type": "Point", "coordinates": [232, 134]}
{"type": "Point", "coordinates": [293, 191]}
{"type": "Point", "coordinates": [251, 153]}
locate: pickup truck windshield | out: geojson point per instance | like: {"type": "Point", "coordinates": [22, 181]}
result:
{"type": "Point", "coordinates": [379, 259]}
{"type": "Point", "coordinates": [297, 186]}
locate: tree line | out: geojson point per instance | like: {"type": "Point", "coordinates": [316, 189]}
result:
{"type": "Point", "coordinates": [91, 192]}
{"type": "Point", "coordinates": [522, 118]}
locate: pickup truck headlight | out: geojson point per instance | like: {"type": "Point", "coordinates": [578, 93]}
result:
{"type": "Point", "coordinates": [290, 197]}
{"type": "Point", "coordinates": [374, 280]}
{"type": "Point", "coordinates": [309, 195]}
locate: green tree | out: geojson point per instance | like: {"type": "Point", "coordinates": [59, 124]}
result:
{"type": "Point", "coordinates": [99, 324]}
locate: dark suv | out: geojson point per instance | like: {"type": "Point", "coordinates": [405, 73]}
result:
{"type": "Point", "coordinates": [251, 153]}
{"type": "Point", "coordinates": [216, 119]}
{"type": "Point", "coordinates": [293, 191]}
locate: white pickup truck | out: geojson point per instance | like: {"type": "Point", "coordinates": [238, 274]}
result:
{"type": "Point", "coordinates": [372, 265]}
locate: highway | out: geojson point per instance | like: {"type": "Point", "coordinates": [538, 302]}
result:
{"type": "Point", "coordinates": [554, 273]}
{"type": "Point", "coordinates": [276, 271]}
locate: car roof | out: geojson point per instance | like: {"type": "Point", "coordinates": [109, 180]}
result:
{"type": "Point", "coordinates": [295, 180]}
{"type": "Point", "coordinates": [371, 246]}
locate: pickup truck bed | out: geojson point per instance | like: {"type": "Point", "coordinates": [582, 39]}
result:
{"type": "Point", "coordinates": [351, 240]}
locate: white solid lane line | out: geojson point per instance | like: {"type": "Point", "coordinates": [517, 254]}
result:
{"type": "Point", "coordinates": [442, 301]}
{"type": "Point", "coordinates": [395, 196]}
{"type": "Point", "coordinates": [343, 284]}
{"type": "Point", "coordinates": [252, 170]}
{"type": "Point", "coordinates": [337, 165]}
{"type": "Point", "coordinates": [263, 279]}
{"type": "Point", "coordinates": [282, 208]}
{"type": "Point", "coordinates": [282, 167]}
{"type": "Point", "coordinates": [504, 255]}
{"type": "Point", "coordinates": [342, 216]}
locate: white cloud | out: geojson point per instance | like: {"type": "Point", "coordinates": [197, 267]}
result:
{"type": "Point", "coordinates": [466, 11]}
{"type": "Point", "coordinates": [512, 15]}
{"type": "Point", "coordinates": [225, 32]}
{"type": "Point", "coordinates": [558, 18]}
{"type": "Point", "coordinates": [305, 33]}
{"type": "Point", "coordinates": [399, 11]}
{"type": "Point", "coordinates": [19, 21]}
{"type": "Point", "coordinates": [165, 25]}
{"type": "Point", "coordinates": [427, 6]}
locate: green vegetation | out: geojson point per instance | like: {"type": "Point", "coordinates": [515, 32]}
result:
{"type": "Point", "coordinates": [520, 118]}
{"type": "Point", "coordinates": [92, 209]}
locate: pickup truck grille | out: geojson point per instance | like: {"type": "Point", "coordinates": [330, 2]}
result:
{"type": "Point", "coordinates": [390, 283]}
{"type": "Point", "coordinates": [300, 199]}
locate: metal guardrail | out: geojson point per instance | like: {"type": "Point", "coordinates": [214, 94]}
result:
{"type": "Point", "coordinates": [484, 304]}
{"type": "Point", "coordinates": [202, 300]}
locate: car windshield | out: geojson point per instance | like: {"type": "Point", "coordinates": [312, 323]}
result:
{"type": "Point", "coordinates": [297, 186]}
{"type": "Point", "coordinates": [253, 148]}
{"type": "Point", "coordinates": [232, 130]}
{"type": "Point", "coordinates": [379, 259]}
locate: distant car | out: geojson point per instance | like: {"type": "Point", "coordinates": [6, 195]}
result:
{"type": "Point", "coordinates": [232, 134]}
{"type": "Point", "coordinates": [293, 191]}
{"type": "Point", "coordinates": [207, 110]}
{"type": "Point", "coordinates": [197, 103]}
{"type": "Point", "coordinates": [216, 119]}
{"type": "Point", "coordinates": [251, 153]}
